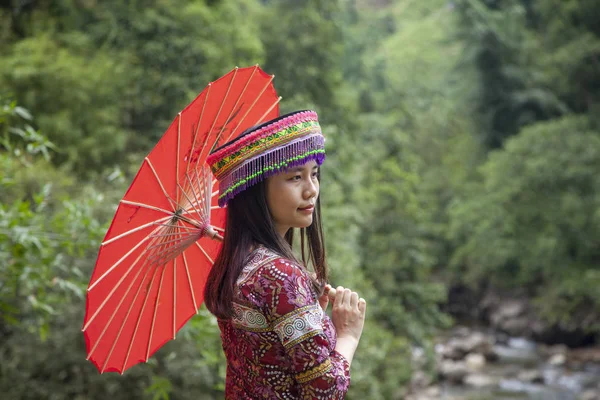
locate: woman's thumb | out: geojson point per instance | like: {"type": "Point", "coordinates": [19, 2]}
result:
{"type": "Point", "coordinates": [324, 299]}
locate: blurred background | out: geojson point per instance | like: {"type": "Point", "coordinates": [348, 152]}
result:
{"type": "Point", "coordinates": [461, 191]}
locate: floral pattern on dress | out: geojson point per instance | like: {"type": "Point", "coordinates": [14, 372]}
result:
{"type": "Point", "coordinates": [280, 344]}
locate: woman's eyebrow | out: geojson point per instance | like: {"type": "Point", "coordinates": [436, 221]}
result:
{"type": "Point", "coordinates": [301, 168]}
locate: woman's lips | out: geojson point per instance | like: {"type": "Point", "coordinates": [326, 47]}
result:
{"type": "Point", "coordinates": [307, 210]}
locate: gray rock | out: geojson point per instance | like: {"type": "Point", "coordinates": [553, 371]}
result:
{"type": "Point", "coordinates": [511, 308]}
{"type": "Point", "coordinates": [515, 326]}
{"type": "Point", "coordinates": [558, 359]}
{"type": "Point", "coordinates": [549, 351]}
{"type": "Point", "coordinates": [420, 380]}
{"type": "Point", "coordinates": [431, 393]}
{"type": "Point", "coordinates": [475, 362]}
{"type": "Point", "coordinates": [531, 376]}
{"type": "Point", "coordinates": [590, 395]}
{"type": "Point", "coordinates": [481, 381]}
{"type": "Point", "coordinates": [452, 371]}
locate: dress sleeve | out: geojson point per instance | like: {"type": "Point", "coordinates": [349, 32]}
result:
{"type": "Point", "coordinates": [292, 309]}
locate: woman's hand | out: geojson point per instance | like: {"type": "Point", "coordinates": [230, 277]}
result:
{"type": "Point", "coordinates": [348, 314]}
{"type": "Point", "coordinates": [348, 317]}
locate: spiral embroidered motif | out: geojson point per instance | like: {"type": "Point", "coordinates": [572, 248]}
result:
{"type": "Point", "coordinates": [300, 324]}
{"type": "Point", "coordinates": [248, 318]}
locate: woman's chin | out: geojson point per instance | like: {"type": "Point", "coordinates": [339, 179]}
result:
{"type": "Point", "coordinates": [304, 222]}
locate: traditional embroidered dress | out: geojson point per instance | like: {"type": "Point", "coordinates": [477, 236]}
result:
{"type": "Point", "coordinates": [280, 344]}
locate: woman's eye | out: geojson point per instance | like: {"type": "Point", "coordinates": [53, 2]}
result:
{"type": "Point", "coordinates": [296, 177]}
{"type": "Point", "coordinates": [315, 174]}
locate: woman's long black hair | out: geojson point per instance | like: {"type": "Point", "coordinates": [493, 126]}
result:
{"type": "Point", "coordinates": [249, 224]}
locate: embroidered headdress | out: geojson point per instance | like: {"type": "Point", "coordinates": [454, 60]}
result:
{"type": "Point", "coordinates": [267, 149]}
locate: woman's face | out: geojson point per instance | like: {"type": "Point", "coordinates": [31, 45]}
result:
{"type": "Point", "coordinates": [292, 195]}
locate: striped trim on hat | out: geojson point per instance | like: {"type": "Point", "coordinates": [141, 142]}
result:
{"type": "Point", "coordinates": [267, 149]}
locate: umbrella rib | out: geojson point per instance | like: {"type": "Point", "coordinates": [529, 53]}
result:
{"type": "Point", "coordinates": [219, 229]}
{"type": "Point", "coordinates": [139, 319]}
{"type": "Point", "coordinates": [173, 203]}
{"type": "Point", "coordinates": [201, 180]}
{"type": "Point", "coordinates": [177, 160]}
{"type": "Point", "coordinates": [182, 242]}
{"type": "Point", "coordinates": [125, 319]}
{"type": "Point", "coordinates": [112, 291]}
{"type": "Point", "coordinates": [179, 237]}
{"type": "Point", "coordinates": [174, 295]}
{"type": "Point", "coordinates": [129, 232]}
{"type": "Point", "coordinates": [203, 251]}
{"type": "Point", "coordinates": [268, 111]}
{"type": "Point", "coordinates": [190, 201]}
{"type": "Point", "coordinates": [121, 259]}
{"type": "Point", "coordinates": [198, 126]}
{"type": "Point", "coordinates": [107, 325]}
{"type": "Point", "coordinates": [193, 190]}
{"type": "Point", "coordinates": [205, 187]}
{"type": "Point", "coordinates": [147, 206]}
{"type": "Point", "coordinates": [165, 254]}
{"type": "Point", "coordinates": [199, 224]}
{"type": "Point", "coordinates": [187, 271]}
{"type": "Point", "coordinates": [162, 275]}
{"type": "Point", "coordinates": [182, 227]}
{"type": "Point", "coordinates": [250, 108]}
{"type": "Point", "coordinates": [188, 220]}
{"type": "Point", "coordinates": [220, 108]}
{"type": "Point", "coordinates": [236, 103]}
{"type": "Point", "coordinates": [187, 210]}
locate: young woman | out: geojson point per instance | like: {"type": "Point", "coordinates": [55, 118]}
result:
{"type": "Point", "coordinates": [278, 341]}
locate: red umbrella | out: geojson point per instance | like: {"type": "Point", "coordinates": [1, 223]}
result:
{"type": "Point", "coordinates": [153, 263]}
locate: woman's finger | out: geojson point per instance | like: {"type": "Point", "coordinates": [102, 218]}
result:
{"type": "Point", "coordinates": [347, 295]}
{"type": "Point", "coordinates": [339, 295]}
{"type": "Point", "coordinates": [354, 300]}
{"type": "Point", "coordinates": [331, 292]}
{"type": "Point", "coordinates": [324, 299]}
{"type": "Point", "coordinates": [362, 305]}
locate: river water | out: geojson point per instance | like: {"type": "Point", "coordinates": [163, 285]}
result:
{"type": "Point", "coordinates": [516, 356]}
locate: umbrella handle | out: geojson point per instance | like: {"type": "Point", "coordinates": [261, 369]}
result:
{"type": "Point", "coordinates": [210, 232]}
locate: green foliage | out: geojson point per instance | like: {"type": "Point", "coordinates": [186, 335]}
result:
{"type": "Point", "coordinates": [119, 68]}
{"type": "Point", "coordinates": [533, 220]}
{"type": "Point", "coordinates": [412, 96]}
{"type": "Point", "coordinates": [511, 92]}
{"type": "Point", "coordinates": [304, 46]}
{"type": "Point", "coordinates": [396, 238]}
{"type": "Point", "coordinates": [75, 98]}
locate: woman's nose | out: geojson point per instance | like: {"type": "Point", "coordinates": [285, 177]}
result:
{"type": "Point", "coordinates": [311, 189]}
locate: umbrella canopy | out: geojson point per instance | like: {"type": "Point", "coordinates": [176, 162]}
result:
{"type": "Point", "coordinates": [152, 266]}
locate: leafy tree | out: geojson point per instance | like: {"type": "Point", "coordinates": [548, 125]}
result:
{"type": "Point", "coordinates": [510, 92]}
{"type": "Point", "coordinates": [120, 68]}
{"type": "Point", "coordinates": [303, 44]}
{"type": "Point", "coordinates": [49, 236]}
{"type": "Point", "coordinates": [533, 220]}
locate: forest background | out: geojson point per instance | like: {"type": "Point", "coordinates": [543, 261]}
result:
{"type": "Point", "coordinates": [463, 156]}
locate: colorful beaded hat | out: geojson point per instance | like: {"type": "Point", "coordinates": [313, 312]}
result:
{"type": "Point", "coordinates": [265, 150]}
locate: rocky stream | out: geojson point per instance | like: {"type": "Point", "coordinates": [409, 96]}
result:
{"type": "Point", "coordinates": [501, 360]}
